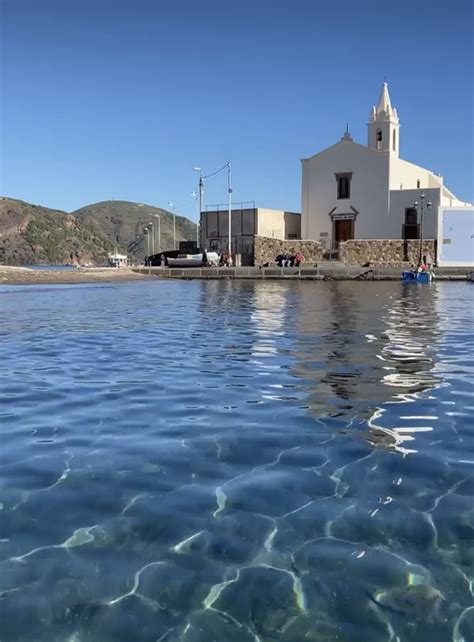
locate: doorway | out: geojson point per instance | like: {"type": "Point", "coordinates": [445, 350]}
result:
{"type": "Point", "coordinates": [411, 229]}
{"type": "Point", "coordinates": [343, 230]}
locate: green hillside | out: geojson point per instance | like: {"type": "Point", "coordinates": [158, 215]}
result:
{"type": "Point", "coordinates": [123, 223]}
{"type": "Point", "coordinates": [36, 234]}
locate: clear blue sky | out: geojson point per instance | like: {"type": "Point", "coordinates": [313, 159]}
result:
{"type": "Point", "coordinates": [120, 99]}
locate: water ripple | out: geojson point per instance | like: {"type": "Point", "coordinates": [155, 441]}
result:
{"type": "Point", "coordinates": [244, 462]}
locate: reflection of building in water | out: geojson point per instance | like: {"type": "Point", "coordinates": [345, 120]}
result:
{"type": "Point", "coordinates": [362, 347]}
{"type": "Point", "coordinates": [242, 320]}
{"type": "Point", "coordinates": [268, 316]}
{"type": "Point", "coordinates": [334, 356]}
{"type": "Point", "coordinates": [412, 330]}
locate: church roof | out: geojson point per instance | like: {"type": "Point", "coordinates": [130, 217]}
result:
{"type": "Point", "coordinates": [344, 141]}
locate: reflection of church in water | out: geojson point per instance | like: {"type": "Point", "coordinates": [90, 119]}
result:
{"type": "Point", "coordinates": [364, 348]}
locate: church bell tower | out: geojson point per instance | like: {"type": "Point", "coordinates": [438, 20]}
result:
{"type": "Point", "coordinates": [383, 134]}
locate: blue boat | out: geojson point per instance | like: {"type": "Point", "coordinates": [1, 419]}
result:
{"type": "Point", "coordinates": [411, 276]}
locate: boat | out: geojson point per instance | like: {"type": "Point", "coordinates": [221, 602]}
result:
{"type": "Point", "coordinates": [470, 276]}
{"type": "Point", "coordinates": [413, 276]}
{"type": "Point", "coordinates": [117, 260]}
{"type": "Point", "coordinates": [194, 260]}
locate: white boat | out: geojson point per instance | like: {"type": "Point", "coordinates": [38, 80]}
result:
{"type": "Point", "coordinates": [117, 260]}
{"type": "Point", "coordinates": [193, 260]}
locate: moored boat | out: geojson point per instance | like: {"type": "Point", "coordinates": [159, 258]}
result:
{"type": "Point", "coordinates": [414, 276]}
{"type": "Point", "coordinates": [193, 260]}
{"type": "Point", "coordinates": [117, 260]}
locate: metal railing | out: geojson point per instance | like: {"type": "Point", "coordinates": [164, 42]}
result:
{"type": "Point", "coordinates": [224, 207]}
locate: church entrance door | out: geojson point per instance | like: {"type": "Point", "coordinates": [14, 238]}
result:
{"type": "Point", "coordinates": [343, 230]}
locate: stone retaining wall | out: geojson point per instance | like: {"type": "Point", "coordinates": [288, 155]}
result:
{"type": "Point", "coordinates": [389, 252]}
{"type": "Point", "coordinates": [267, 249]}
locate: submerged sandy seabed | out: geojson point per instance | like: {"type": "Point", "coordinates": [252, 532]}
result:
{"type": "Point", "coordinates": [13, 275]}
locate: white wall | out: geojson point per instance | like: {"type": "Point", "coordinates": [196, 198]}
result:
{"type": "Point", "coordinates": [369, 190]}
{"type": "Point", "coordinates": [404, 175]}
{"type": "Point", "coordinates": [271, 223]}
{"type": "Point", "coordinates": [401, 199]}
{"type": "Point", "coordinates": [456, 236]}
{"type": "Point", "coordinates": [449, 200]}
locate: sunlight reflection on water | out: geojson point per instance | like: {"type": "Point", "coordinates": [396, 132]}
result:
{"type": "Point", "coordinates": [236, 461]}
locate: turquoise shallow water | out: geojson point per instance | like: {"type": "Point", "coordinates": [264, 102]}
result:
{"type": "Point", "coordinates": [237, 462]}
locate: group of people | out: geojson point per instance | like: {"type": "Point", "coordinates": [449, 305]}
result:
{"type": "Point", "coordinates": [155, 262]}
{"type": "Point", "coordinates": [225, 259]}
{"type": "Point", "coordinates": [289, 260]}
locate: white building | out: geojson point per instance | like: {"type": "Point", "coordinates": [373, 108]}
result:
{"type": "Point", "coordinates": [353, 191]}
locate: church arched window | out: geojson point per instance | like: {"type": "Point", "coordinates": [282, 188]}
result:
{"type": "Point", "coordinates": [379, 135]}
{"type": "Point", "coordinates": [394, 141]}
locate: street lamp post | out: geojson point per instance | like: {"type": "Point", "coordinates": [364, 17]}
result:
{"type": "Point", "coordinates": [170, 204]}
{"type": "Point", "coordinates": [229, 194]}
{"type": "Point", "coordinates": [152, 238]}
{"type": "Point", "coordinates": [421, 207]}
{"type": "Point", "coordinates": [159, 231]}
{"type": "Point", "coordinates": [201, 200]}
{"type": "Point", "coordinates": [146, 231]}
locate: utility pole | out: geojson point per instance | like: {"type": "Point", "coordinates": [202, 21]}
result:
{"type": "Point", "coordinates": [229, 190]}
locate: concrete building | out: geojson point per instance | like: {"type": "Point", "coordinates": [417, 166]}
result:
{"type": "Point", "coordinates": [354, 191]}
{"type": "Point", "coordinates": [247, 221]}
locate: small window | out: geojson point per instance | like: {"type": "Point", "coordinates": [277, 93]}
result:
{"type": "Point", "coordinates": [394, 141]}
{"type": "Point", "coordinates": [379, 135]}
{"type": "Point", "coordinates": [411, 216]}
{"type": "Point", "coordinates": [343, 187]}
{"type": "Point", "coordinates": [418, 184]}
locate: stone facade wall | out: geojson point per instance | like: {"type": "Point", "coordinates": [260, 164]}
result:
{"type": "Point", "coordinates": [267, 249]}
{"type": "Point", "coordinates": [387, 252]}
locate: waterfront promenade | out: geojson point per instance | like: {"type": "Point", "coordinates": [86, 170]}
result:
{"type": "Point", "coordinates": [326, 271]}
{"type": "Point", "coordinates": [333, 271]}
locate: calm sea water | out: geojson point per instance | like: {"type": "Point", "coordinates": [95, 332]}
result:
{"type": "Point", "coordinates": [45, 266]}
{"type": "Point", "coordinates": [237, 462]}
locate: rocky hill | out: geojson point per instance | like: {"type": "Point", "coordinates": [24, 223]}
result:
{"type": "Point", "coordinates": [32, 234]}
{"type": "Point", "coordinates": [123, 222]}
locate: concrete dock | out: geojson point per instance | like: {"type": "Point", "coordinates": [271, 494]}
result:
{"type": "Point", "coordinates": [327, 271]}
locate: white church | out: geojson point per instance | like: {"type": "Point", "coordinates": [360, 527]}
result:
{"type": "Point", "coordinates": [354, 191]}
